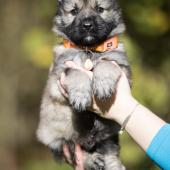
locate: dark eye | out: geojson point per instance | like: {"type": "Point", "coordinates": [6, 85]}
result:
{"type": "Point", "coordinates": [100, 9]}
{"type": "Point", "coordinates": [75, 11]}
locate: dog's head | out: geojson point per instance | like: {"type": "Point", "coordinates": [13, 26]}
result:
{"type": "Point", "coordinates": [88, 22]}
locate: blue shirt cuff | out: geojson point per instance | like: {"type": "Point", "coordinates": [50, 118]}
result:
{"type": "Point", "coordinates": [159, 149]}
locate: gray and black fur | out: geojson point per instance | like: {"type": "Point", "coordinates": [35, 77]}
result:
{"type": "Point", "coordinates": [86, 23]}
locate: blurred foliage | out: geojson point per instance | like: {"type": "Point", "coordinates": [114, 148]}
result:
{"type": "Point", "coordinates": [26, 53]}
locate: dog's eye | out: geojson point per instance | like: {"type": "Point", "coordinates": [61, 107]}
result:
{"type": "Point", "coordinates": [75, 11]}
{"type": "Point", "coordinates": [100, 9]}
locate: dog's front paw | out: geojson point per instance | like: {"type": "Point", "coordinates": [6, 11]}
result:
{"type": "Point", "coordinates": [94, 162]}
{"type": "Point", "coordinates": [78, 87]}
{"type": "Point", "coordinates": [105, 78]}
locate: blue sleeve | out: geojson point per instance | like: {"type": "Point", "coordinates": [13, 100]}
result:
{"type": "Point", "coordinates": [159, 149]}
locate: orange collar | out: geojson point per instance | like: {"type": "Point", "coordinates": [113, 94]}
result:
{"type": "Point", "coordinates": [108, 45]}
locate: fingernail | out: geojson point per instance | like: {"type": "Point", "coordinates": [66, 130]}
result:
{"type": "Point", "coordinates": [70, 64]}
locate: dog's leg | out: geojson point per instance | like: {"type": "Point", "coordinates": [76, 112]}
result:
{"type": "Point", "coordinates": [110, 151]}
{"type": "Point", "coordinates": [105, 78]}
{"type": "Point", "coordinates": [113, 162]}
{"type": "Point", "coordinates": [97, 161]}
{"type": "Point", "coordinates": [94, 161]}
{"type": "Point", "coordinates": [78, 87]}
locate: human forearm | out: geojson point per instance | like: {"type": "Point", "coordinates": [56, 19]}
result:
{"type": "Point", "coordinates": [143, 125]}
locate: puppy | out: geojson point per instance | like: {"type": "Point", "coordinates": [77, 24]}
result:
{"type": "Point", "coordinates": [90, 28]}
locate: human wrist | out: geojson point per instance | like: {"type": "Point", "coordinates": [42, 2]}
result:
{"type": "Point", "coordinates": [121, 112]}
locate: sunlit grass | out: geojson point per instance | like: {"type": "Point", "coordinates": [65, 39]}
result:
{"type": "Point", "coordinates": [44, 165]}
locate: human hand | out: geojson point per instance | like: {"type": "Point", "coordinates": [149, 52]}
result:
{"type": "Point", "coordinates": [79, 157]}
{"type": "Point", "coordinates": [113, 107]}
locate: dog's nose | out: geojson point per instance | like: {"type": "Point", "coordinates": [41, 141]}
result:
{"type": "Point", "coordinates": [88, 25]}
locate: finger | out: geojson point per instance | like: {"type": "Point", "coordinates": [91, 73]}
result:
{"type": "Point", "coordinates": [67, 154]}
{"type": "Point", "coordinates": [123, 84]}
{"type": "Point", "coordinates": [115, 63]}
{"type": "Point", "coordinates": [73, 65]}
{"type": "Point", "coordinates": [79, 158]}
{"type": "Point", "coordinates": [60, 84]}
{"type": "Point", "coordinates": [62, 79]}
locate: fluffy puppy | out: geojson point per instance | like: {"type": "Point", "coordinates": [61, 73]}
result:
{"type": "Point", "coordinates": [86, 24]}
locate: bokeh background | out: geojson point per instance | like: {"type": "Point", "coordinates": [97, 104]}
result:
{"type": "Point", "coordinates": [26, 44]}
